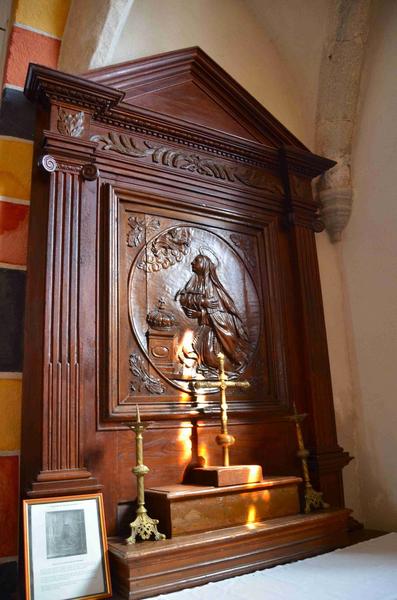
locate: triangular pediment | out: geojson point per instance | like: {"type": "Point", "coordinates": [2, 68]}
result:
{"type": "Point", "coordinates": [189, 86]}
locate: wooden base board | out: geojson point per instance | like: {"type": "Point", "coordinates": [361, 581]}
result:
{"type": "Point", "coordinates": [221, 476]}
{"type": "Point", "coordinates": [151, 568]}
{"type": "Point", "coordinates": [186, 509]}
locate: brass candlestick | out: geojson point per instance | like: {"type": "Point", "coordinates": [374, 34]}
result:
{"type": "Point", "coordinates": [223, 439]}
{"type": "Point", "coordinates": [143, 526]}
{"type": "Point", "coordinates": [313, 499]}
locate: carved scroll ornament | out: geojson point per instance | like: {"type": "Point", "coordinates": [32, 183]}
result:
{"type": "Point", "coordinates": [192, 163]}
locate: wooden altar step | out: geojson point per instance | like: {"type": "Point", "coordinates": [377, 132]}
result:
{"type": "Point", "coordinates": [183, 509]}
{"type": "Point", "coordinates": [151, 568]}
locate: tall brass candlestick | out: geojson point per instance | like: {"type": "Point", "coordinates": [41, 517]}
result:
{"type": "Point", "coordinates": [143, 526]}
{"type": "Point", "coordinates": [224, 438]}
{"type": "Point", "coordinates": [313, 500]}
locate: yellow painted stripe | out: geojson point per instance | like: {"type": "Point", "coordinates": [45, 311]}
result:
{"type": "Point", "coordinates": [15, 168]}
{"type": "Point", "coordinates": [48, 16]}
{"type": "Point", "coordinates": [10, 410]}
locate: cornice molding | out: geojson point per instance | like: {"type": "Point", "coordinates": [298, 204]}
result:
{"type": "Point", "coordinates": [105, 104]}
{"type": "Point", "coordinates": [44, 84]}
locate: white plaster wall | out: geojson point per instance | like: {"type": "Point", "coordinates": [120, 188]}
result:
{"type": "Point", "coordinates": [230, 33]}
{"type": "Point", "coordinates": [298, 29]}
{"type": "Point", "coordinates": [370, 261]}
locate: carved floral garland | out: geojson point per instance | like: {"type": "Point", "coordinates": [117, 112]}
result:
{"type": "Point", "coordinates": [166, 250]}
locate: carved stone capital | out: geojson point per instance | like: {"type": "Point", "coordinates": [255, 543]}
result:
{"type": "Point", "coordinates": [336, 207]}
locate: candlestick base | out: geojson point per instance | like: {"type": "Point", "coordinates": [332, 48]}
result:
{"type": "Point", "coordinates": [313, 500]}
{"type": "Point", "coordinates": [144, 526]}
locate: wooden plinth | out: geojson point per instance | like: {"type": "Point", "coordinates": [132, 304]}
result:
{"type": "Point", "coordinates": [221, 476]}
{"type": "Point", "coordinates": [151, 568]}
{"type": "Point", "coordinates": [184, 509]}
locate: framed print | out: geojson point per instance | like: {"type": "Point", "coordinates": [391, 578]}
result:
{"type": "Point", "coordinates": [66, 548]}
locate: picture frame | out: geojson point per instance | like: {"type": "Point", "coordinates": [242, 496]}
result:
{"type": "Point", "coordinates": [65, 548]}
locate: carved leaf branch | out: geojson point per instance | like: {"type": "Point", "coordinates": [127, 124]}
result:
{"type": "Point", "coordinates": [138, 229]}
{"type": "Point", "coordinates": [150, 383]}
{"type": "Point", "coordinates": [246, 246]}
{"type": "Point", "coordinates": [193, 163]}
{"type": "Point", "coordinates": [121, 143]}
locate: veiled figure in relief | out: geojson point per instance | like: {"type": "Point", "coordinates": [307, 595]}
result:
{"type": "Point", "coordinates": [221, 328]}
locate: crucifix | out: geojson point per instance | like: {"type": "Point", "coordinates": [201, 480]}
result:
{"type": "Point", "coordinates": [224, 439]}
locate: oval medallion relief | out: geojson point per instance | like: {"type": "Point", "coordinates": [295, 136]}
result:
{"type": "Point", "coordinates": [191, 297]}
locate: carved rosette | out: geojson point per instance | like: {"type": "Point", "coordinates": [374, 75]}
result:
{"type": "Point", "coordinates": [89, 172]}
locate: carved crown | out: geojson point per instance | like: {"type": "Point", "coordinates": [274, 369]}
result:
{"type": "Point", "coordinates": [159, 318]}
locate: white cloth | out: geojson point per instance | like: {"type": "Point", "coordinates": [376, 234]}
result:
{"type": "Point", "coordinates": [365, 571]}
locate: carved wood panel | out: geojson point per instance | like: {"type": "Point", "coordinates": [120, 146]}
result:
{"type": "Point", "coordinates": [178, 289]}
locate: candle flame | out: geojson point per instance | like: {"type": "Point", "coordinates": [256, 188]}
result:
{"type": "Point", "coordinates": [186, 354]}
{"type": "Point", "coordinates": [202, 451]}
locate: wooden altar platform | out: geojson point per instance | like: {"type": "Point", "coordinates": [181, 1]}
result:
{"type": "Point", "coordinates": [184, 509]}
{"type": "Point", "coordinates": [147, 569]}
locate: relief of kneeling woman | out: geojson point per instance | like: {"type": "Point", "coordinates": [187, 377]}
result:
{"type": "Point", "coordinates": [221, 329]}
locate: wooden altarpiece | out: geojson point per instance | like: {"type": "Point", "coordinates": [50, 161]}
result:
{"type": "Point", "coordinates": [153, 178]}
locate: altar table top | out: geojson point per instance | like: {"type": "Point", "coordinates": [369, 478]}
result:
{"type": "Point", "coordinates": [365, 571]}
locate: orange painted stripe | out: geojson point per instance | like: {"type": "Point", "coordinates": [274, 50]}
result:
{"type": "Point", "coordinates": [25, 47]}
{"type": "Point", "coordinates": [13, 233]}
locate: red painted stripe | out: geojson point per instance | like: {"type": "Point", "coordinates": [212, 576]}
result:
{"type": "Point", "coordinates": [9, 466]}
{"type": "Point", "coordinates": [25, 47]}
{"type": "Point", "coordinates": [13, 233]}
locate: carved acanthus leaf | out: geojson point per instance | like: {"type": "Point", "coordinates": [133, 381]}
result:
{"type": "Point", "coordinates": [70, 124]}
{"type": "Point", "coordinates": [137, 368]}
{"type": "Point", "coordinates": [138, 229]}
{"type": "Point", "coordinates": [119, 142]}
{"type": "Point", "coordinates": [193, 163]}
{"type": "Point", "coordinates": [166, 250]}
